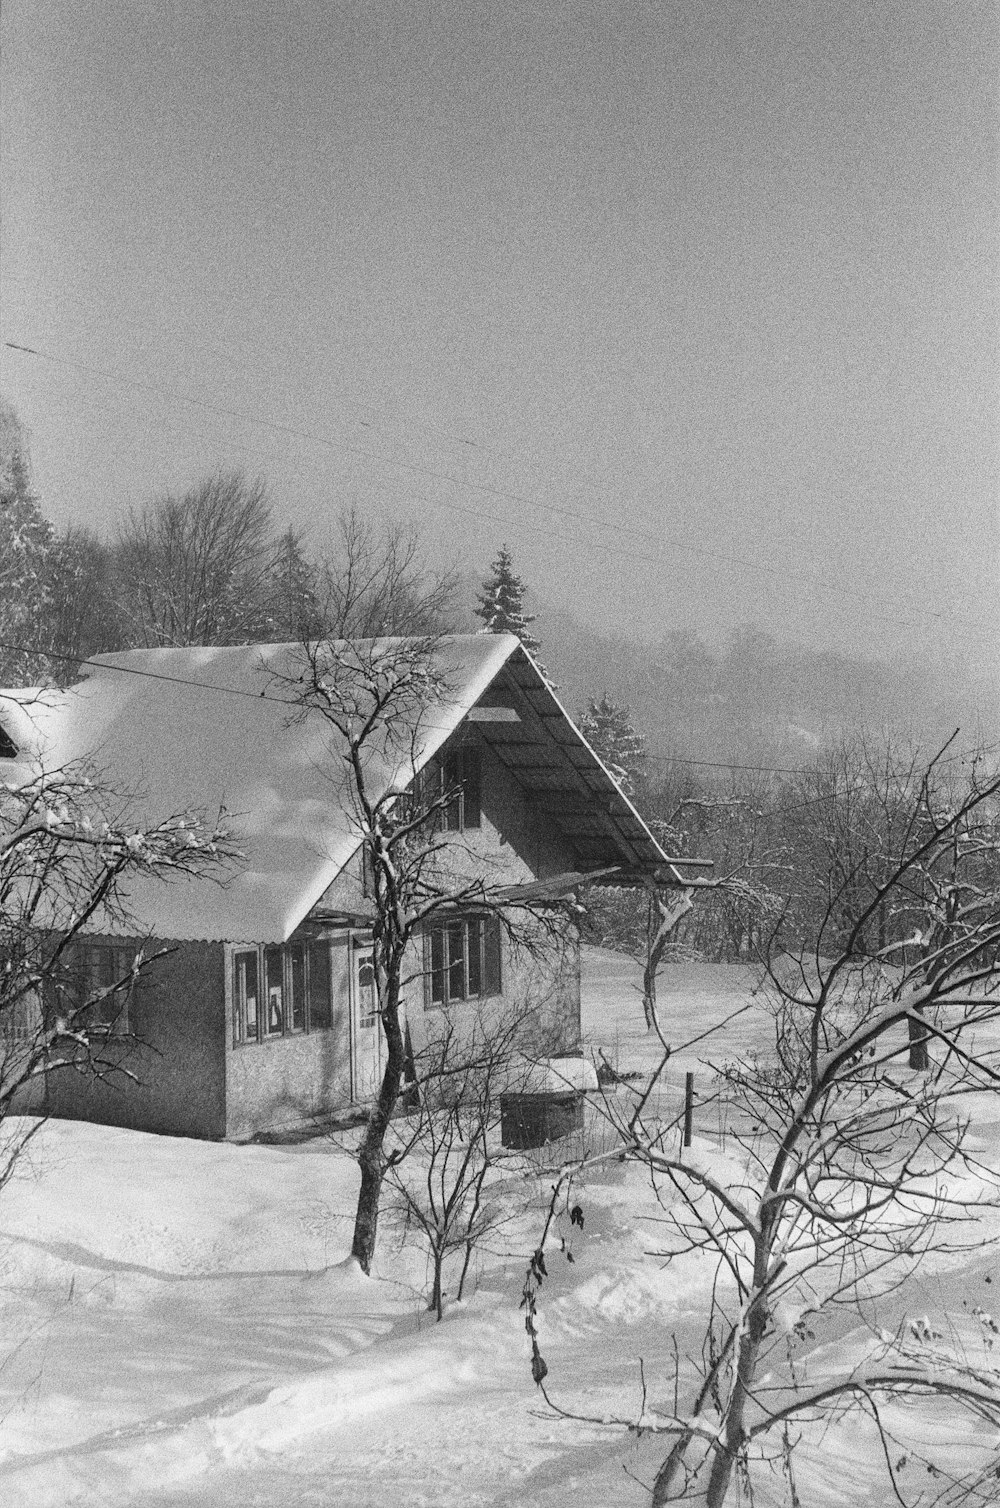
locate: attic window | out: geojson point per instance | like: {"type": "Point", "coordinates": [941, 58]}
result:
{"type": "Point", "coordinates": [459, 772]}
{"type": "Point", "coordinates": [8, 748]}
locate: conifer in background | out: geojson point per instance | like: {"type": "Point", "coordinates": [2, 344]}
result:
{"type": "Point", "coordinates": [501, 603]}
{"type": "Point", "coordinates": [609, 731]}
{"type": "Point", "coordinates": [25, 546]}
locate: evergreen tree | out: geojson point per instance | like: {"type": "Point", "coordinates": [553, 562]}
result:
{"type": "Point", "coordinates": [294, 611]}
{"type": "Point", "coordinates": [501, 603]}
{"type": "Point", "coordinates": [609, 731]}
{"type": "Point", "coordinates": [25, 546]}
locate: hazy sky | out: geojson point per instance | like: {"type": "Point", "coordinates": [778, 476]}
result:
{"type": "Point", "coordinates": [693, 304]}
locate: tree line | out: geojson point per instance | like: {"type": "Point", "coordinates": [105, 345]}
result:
{"type": "Point", "coordinates": [209, 565]}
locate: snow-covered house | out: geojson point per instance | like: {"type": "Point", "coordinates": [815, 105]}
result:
{"type": "Point", "coordinates": [262, 1014]}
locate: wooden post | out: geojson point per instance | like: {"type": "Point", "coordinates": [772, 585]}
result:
{"type": "Point", "coordinates": [688, 1107]}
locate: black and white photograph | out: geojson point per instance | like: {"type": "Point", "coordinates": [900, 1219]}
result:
{"type": "Point", "coordinates": [499, 753]}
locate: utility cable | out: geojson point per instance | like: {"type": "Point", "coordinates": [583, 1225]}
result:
{"type": "Point", "coordinates": [820, 581]}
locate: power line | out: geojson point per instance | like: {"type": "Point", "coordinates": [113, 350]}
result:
{"type": "Point", "coordinates": [259, 696]}
{"type": "Point", "coordinates": [822, 582]}
{"type": "Point", "coordinates": [149, 675]}
{"type": "Point", "coordinates": [720, 764]}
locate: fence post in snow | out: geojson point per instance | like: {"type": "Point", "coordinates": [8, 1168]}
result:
{"type": "Point", "coordinates": [688, 1107]}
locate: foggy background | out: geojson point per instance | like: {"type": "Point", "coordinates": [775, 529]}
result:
{"type": "Point", "coordinates": [694, 305]}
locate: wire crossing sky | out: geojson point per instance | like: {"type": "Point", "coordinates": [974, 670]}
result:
{"type": "Point", "coordinates": [694, 305]}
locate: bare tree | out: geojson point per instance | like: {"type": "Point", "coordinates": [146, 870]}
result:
{"type": "Point", "coordinates": [199, 568]}
{"type": "Point", "coordinates": [380, 698]}
{"type": "Point", "coordinates": [373, 583]}
{"type": "Point", "coordinates": [68, 851]}
{"type": "Point", "coordinates": [852, 1162]}
{"type": "Point", "coordinates": [84, 618]}
{"type": "Point", "coordinates": [446, 1171]}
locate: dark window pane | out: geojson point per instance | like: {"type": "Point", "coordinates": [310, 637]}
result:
{"type": "Point", "coordinates": [437, 966]}
{"type": "Point", "coordinates": [245, 997]}
{"type": "Point", "coordinates": [319, 986]}
{"type": "Point", "coordinates": [475, 929]}
{"type": "Point", "coordinates": [433, 784]}
{"type": "Point", "coordinates": [106, 971]}
{"type": "Point", "coordinates": [456, 961]}
{"type": "Point", "coordinates": [100, 974]}
{"type": "Point", "coordinates": [452, 786]}
{"type": "Point", "coordinates": [491, 956]}
{"type": "Point", "coordinates": [274, 984]}
{"type": "Point", "coordinates": [237, 1001]}
{"type": "Point", "coordinates": [296, 1005]}
{"type": "Point", "coordinates": [471, 787]}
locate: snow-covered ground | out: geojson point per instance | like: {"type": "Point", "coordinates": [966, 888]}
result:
{"type": "Point", "coordinates": [179, 1326]}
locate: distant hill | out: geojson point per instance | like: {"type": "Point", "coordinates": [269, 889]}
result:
{"type": "Point", "coordinates": [755, 699]}
{"type": "Point", "coordinates": [758, 699]}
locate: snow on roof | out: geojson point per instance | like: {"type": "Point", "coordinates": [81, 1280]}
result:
{"type": "Point", "coordinates": [22, 710]}
{"type": "Point", "coordinates": [204, 728]}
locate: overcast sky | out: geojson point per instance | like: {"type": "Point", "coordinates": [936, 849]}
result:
{"type": "Point", "coordinates": [693, 304]}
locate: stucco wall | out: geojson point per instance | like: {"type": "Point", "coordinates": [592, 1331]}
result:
{"type": "Point", "coordinates": [284, 1081]}
{"type": "Point", "coordinates": [177, 1019]}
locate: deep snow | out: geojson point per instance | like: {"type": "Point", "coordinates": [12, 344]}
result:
{"type": "Point", "coordinates": [180, 1327]}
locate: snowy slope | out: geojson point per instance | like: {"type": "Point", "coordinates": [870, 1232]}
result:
{"type": "Point", "coordinates": [180, 1326]}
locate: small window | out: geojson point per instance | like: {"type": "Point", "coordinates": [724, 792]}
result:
{"type": "Point", "coordinates": [458, 772]}
{"type": "Point", "coordinates": [245, 997]}
{"type": "Point", "coordinates": [274, 985]}
{"type": "Point", "coordinates": [471, 788]}
{"type": "Point", "coordinates": [462, 960]}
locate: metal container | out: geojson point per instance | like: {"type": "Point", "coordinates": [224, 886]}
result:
{"type": "Point", "coordinates": [531, 1120]}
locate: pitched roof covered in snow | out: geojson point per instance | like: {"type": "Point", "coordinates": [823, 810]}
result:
{"type": "Point", "coordinates": [204, 728]}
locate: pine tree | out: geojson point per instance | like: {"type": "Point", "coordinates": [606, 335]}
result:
{"type": "Point", "coordinates": [501, 603]}
{"type": "Point", "coordinates": [293, 608]}
{"type": "Point", "coordinates": [609, 731]}
{"type": "Point", "coordinates": [25, 547]}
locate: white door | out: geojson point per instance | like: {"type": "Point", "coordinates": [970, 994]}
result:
{"type": "Point", "coordinates": [366, 1029]}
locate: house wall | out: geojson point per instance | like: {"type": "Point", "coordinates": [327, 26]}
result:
{"type": "Point", "coordinates": [177, 1060]}
{"type": "Point", "coordinates": [285, 1081]}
